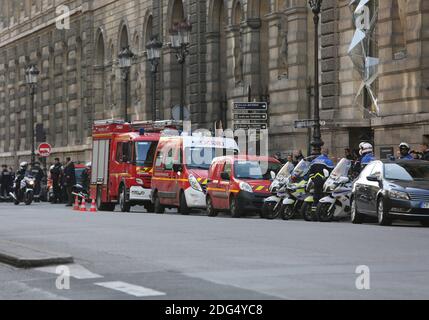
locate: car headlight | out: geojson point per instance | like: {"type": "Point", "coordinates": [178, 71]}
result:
{"type": "Point", "coordinates": [245, 187]}
{"type": "Point", "coordinates": [194, 183]}
{"type": "Point", "coordinates": [139, 181]}
{"type": "Point", "coordinates": [399, 195]}
{"type": "Point", "coordinates": [31, 183]}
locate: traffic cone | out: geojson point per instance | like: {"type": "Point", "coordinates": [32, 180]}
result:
{"type": "Point", "coordinates": [76, 203]}
{"type": "Point", "coordinates": [93, 206]}
{"type": "Point", "coordinates": [83, 206]}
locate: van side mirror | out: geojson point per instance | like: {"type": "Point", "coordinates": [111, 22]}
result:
{"type": "Point", "coordinates": [225, 176]}
{"type": "Point", "coordinates": [373, 178]}
{"type": "Point", "coordinates": [177, 167]}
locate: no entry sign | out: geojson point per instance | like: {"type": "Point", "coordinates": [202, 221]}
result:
{"type": "Point", "coordinates": [45, 150]}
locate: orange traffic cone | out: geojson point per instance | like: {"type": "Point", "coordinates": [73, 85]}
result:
{"type": "Point", "coordinates": [76, 203]}
{"type": "Point", "coordinates": [93, 206]}
{"type": "Point", "coordinates": [83, 206]}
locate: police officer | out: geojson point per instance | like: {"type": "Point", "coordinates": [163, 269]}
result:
{"type": "Point", "coordinates": [404, 152]}
{"type": "Point", "coordinates": [366, 156]}
{"type": "Point", "coordinates": [318, 166]}
{"type": "Point", "coordinates": [56, 172]}
{"type": "Point", "coordinates": [6, 180]}
{"type": "Point", "coordinates": [38, 174]}
{"type": "Point", "coordinates": [20, 174]}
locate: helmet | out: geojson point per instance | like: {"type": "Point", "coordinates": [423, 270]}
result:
{"type": "Point", "coordinates": [404, 145]}
{"type": "Point", "coordinates": [365, 148]}
{"type": "Point", "coordinates": [24, 165]}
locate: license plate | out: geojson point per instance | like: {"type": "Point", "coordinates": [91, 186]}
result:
{"type": "Point", "coordinates": [425, 205]}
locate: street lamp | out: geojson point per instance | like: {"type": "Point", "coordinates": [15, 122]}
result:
{"type": "Point", "coordinates": [31, 75]}
{"type": "Point", "coordinates": [154, 55]}
{"type": "Point", "coordinates": [317, 142]}
{"type": "Point", "coordinates": [125, 58]}
{"type": "Point", "coordinates": [180, 38]}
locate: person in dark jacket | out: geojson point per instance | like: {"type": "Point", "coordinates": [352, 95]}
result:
{"type": "Point", "coordinates": [38, 174]}
{"type": "Point", "coordinates": [69, 180]}
{"type": "Point", "coordinates": [86, 176]}
{"type": "Point", "coordinates": [317, 173]}
{"type": "Point", "coordinates": [56, 172]}
{"type": "Point", "coordinates": [6, 181]}
{"type": "Point", "coordinates": [424, 149]}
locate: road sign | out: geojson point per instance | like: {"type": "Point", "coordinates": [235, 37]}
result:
{"type": "Point", "coordinates": [45, 150]}
{"type": "Point", "coordinates": [251, 106]}
{"type": "Point", "coordinates": [308, 123]}
{"type": "Point", "coordinates": [247, 126]}
{"type": "Point", "coordinates": [250, 115]}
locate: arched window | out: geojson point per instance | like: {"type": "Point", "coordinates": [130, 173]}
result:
{"type": "Point", "coordinates": [178, 13]}
{"type": "Point", "coordinates": [124, 39]}
{"type": "Point", "coordinates": [100, 53]}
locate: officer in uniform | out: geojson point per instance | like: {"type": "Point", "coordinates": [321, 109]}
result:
{"type": "Point", "coordinates": [404, 152]}
{"type": "Point", "coordinates": [56, 176]}
{"type": "Point", "coordinates": [38, 174]}
{"type": "Point", "coordinates": [6, 180]}
{"type": "Point", "coordinates": [317, 170]}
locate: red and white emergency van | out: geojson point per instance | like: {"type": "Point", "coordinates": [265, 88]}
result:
{"type": "Point", "coordinates": [181, 170]}
{"type": "Point", "coordinates": [239, 184]}
{"type": "Point", "coordinates": [122, 162]}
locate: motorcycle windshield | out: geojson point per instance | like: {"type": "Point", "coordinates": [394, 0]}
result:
{"type": "Point", "coordinates": [285, 171]}
{"type": "Point", "coordinates": [342, 169]}
{"type": "Point", "coordinates": [301, 169]}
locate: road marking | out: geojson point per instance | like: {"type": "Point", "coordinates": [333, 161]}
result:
{"type": "Point", "coordinates": [76, 271]}
{"type": "Point", "coordinates": [130, 289]}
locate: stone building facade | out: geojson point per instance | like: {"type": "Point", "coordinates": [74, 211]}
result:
{"type": "Point", "coordinates": [240, 49]}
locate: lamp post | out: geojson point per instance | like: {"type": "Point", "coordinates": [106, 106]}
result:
{"type": "Point", "coordinates": [316, 142]}
{"type": "Point", "coordinates": [125, 57]}
{"type": "Point", "coordinates": [180, 39]}
{"type": "Point", "coordinates": [154, 55]}
{"type": "Point", "coordinates": [31, 74]}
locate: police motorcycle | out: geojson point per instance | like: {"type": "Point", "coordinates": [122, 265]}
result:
{"type": "Point", "coordinates": [272, 207]}
{"type": "Point", "coordinates": [336, 205]}
{"type": "Point", "coordinates": [296, 190]}
{"type": "Point", "coordinates": [26, 190]}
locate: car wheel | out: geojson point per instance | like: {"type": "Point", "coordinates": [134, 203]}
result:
{"type": "Point", "coordinates": [356, 216]}
{"type": "Point", "coordinates": [123, 203]}
{"type": "Point", "coordinates": [157, 206]}
{"type": "Point", "coordinates": [211, 212]}
{"type": "Point", "coordinates": [235, 208]}
{"type": "Point", "coordinates": [425, 223]}
{"type": "Point", "coordinates": [383, 216]}
{"type": "Point", "coordinates": [183, 205]}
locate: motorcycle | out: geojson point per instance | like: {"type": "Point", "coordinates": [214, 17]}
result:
{"type": "Point", "coordinates": [80, 192]}
{"type": "Point", "coordinates": [26, 190]}
{"type": "Point", "coordinates": [307, 210]}
{"type": "Point", "coordinates": [296, 191]}
{"type": "Point", "coordinates": [336, 205]}
{"type": "Point", "coordinates": [271, 209]}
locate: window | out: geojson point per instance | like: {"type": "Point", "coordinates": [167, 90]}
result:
{"type": "Point", "coordinates": [169, 160]}
{"type": "Point", "coordinates": [227, 168]}
{"type": "Point", "coordinates": [145, 151]}
{"type": "Point", "coordinates": [119, 152]}
{"type": "Point", "coordinates": [158, 161]}
{"type": "Point", "coordinates": [406, 172]}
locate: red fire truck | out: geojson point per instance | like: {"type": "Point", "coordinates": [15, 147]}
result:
{"type": "Point", "coordinates": [122, 162]}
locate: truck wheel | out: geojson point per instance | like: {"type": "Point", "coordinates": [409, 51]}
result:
{"type": "Point", "coordinates": [149, 207]}
{"type": "Point", "coordinates": [211, 212]}
{"type": "Point", "coordinates": [235, 208]}
{"type": "Point", "coordinates": [183, 205]}
{"type": "Point", "coordinates": [103, 206]}
{"type": "Point", "coordinates": [123, 203]}
{"type": "Point", "coordinates": [158, 207]}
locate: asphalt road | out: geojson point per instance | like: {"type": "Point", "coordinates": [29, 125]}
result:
{"type": "Point", "coordinates": [147, 256]}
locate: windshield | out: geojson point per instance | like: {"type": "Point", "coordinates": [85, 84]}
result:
{"type": "Point", "coordinates": [285, 171]}
{"type": "Point", "coordinates": [342, 169]}
{"type": "Point", "coordinates": [301, 169]}
{"type": "Point", "coordinates": [253, 170]}
{"type": "Point", "coordinates": [201, 157]}
{"type": "Point", "coordinates": [406, 172]}
{"type": "Point", "coordinates": [145, 152]}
